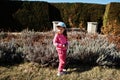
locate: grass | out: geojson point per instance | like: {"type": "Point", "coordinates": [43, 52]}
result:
{"type": "Point", "coordinates": [33, 71]}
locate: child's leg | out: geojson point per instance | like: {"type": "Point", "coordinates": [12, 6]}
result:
{"type": "Point", "coordinates": [62, 59]}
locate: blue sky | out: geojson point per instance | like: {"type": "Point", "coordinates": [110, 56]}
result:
{"type": "Point", "coordinates": [84, 1]}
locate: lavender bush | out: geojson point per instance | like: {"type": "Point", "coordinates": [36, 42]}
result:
{"type": "Point", "coordinates": [90, 49]}
{"type": "Point", "coordinates": [94, 49]}
{"type": "Point", "coordinates": [9, 53]}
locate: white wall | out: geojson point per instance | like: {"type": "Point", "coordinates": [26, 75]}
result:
{"type": "Point", "coordinates": [55, 24]}
{"type": "Point", "coordinates": [92, 27]}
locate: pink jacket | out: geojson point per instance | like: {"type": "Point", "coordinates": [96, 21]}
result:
{"type": "Point", "coordinates": [60, 40]}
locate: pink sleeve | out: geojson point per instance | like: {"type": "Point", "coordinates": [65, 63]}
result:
{"type": "Point", "coordinates": [55, 41]}
{"type": "Point", "coordinates": [67, 43]}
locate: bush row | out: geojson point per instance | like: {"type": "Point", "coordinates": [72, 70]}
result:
{"type": "Point", "coordinates": [87, 49]}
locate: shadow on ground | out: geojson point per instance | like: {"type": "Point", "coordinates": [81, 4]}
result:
{"type": "Point", "coordinates": [79, 68]}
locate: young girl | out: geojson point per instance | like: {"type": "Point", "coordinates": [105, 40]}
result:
{"type": "Point", "coordinates": [60, 42]}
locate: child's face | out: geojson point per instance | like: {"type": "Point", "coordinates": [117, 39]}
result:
{"type": "Point", "coordinates": [60, 30]}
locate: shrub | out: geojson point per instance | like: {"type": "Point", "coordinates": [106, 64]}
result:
{"type": "Point", "coordinates": [94, 49]}
{"type": "Point", "coordinates": [79, 13]}
{"type": "Point", "coordinates": [111, 28]}
{"type": "Point", "coordinates": [32, 15]}
{"type": "Point", "coordinates": [84, 48]}
{"type": "Point", "coordinates": [38, 47]}
{"type": "Point", "coordinates": [115, 40]}
{"type": "Point", "coordinates": [111, 19]}
{"type": "Point", "coordinates": [9, 53]}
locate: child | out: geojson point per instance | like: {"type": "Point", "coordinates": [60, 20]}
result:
{"type": "Point", "coordinates": [60, 42]}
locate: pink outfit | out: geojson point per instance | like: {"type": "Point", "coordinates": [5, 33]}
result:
{"type": "Point", "coordinates": [60, 40]}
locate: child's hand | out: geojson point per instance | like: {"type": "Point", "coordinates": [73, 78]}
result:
{"type": "Point", "coordinates": [64, 45]}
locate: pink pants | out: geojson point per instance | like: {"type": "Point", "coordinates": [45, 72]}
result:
{"type": "Point", "coordinates": [62, 59]}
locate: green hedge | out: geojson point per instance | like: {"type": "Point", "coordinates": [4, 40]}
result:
{"type": "Point", "coordinates": [39, 15]}
{"type": "Point", "coordinates": [75, 14]}
{"type": "Point", "coordinates": [34, 15]}
{"type": "Point", "coordinates": [112, 13]}
{"type": "Point", "coordinates": [111, 19]}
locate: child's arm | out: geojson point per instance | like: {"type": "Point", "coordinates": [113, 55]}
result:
{"type": "Point", "coordinates": [55, 41]}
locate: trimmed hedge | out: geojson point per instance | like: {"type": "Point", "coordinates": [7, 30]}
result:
{"type": "Point", "coordinates": [111, 21]}
{"type": "Point", "coordinates": [34, 15]}
{"type": "Point", "coordinates": [78, 14]}
{"type": "Point", "coordinates": [39, 15]}
{"type": "Point", "coordinates": [18, 15]}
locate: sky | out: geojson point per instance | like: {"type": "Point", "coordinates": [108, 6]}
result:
{"type": "Point", "coordinates": [83, 1]}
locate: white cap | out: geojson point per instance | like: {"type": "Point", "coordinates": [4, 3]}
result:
{"type": "Point", "coordinates": [61, 24]}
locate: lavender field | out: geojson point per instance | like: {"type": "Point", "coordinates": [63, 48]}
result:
{"type": "Point", "coordinates": [88, 56]}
